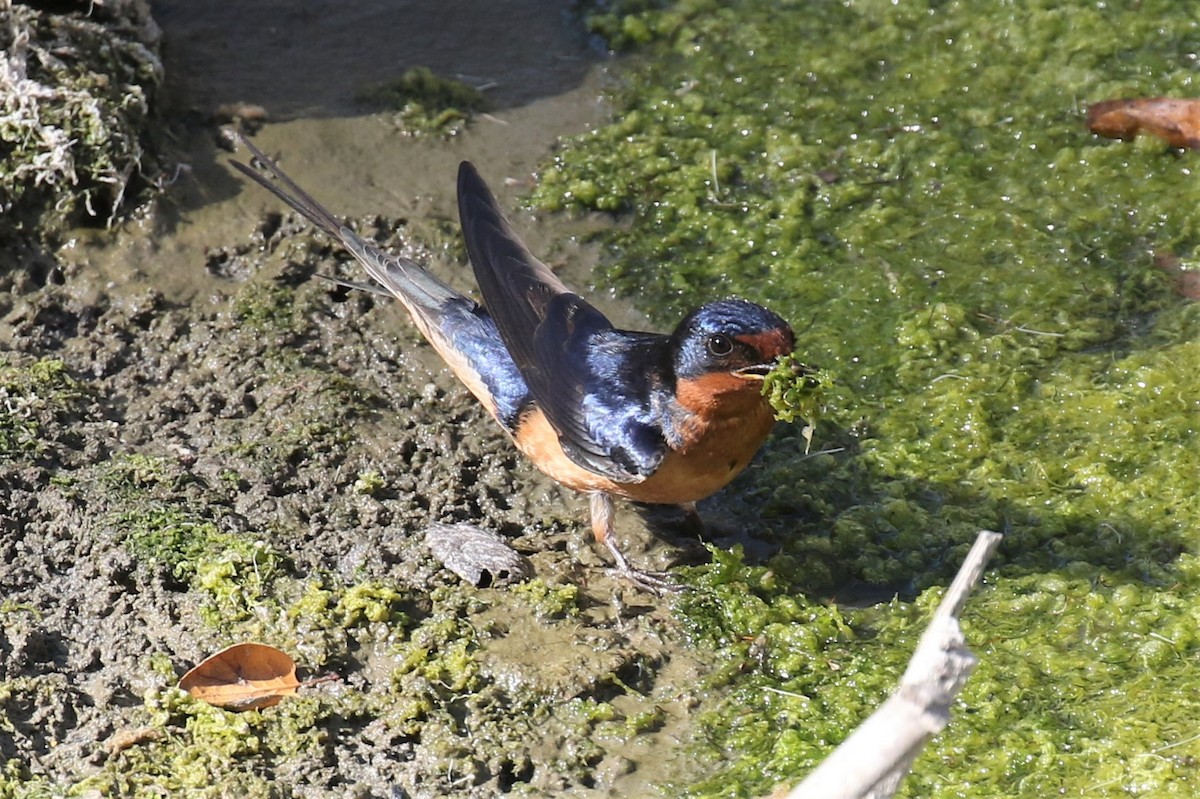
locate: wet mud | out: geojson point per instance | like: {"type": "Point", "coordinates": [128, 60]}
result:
{"type": "Point", "coordinates": [206, 443]}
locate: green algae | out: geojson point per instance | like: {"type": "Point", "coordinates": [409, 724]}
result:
{"type": "Point", "coordinates": [205, 751]}
{"type": "Point", "coordinates": [1055, 407]}
{"type": "Point", "coordinates": [428, 690]}
{"type": "Point", "coordinates": [369, 483]}
{"type": "Point", "coordinates": [425, 102]}
{"type": "Point", "coordinates": [33, 396]}
{"type": "Point", "coordinates": [75, 96]}
{"type": "Point", "coordinates": [549, 601]}
{"type": "Point", "coordinates": [232, 574]}
{"type": "Point", "coordinates": [17, 783]}
{"type": "Point", "coordinates": [799, 392]}
{"type": "Point", "coordinates": [316, 430]}
{"type": "Point", "coordinates": [1076, 690]}
{"type": "Point", "coordinates": [913, 186]}
{"type": "Point", "coordinates": [277, 309]}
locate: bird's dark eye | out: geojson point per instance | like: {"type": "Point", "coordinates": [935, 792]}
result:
{"type": "Point", "coordinates": [720, 344]}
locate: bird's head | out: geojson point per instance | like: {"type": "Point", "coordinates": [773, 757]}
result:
{"type": "Point", "coordinates": [729, 346]}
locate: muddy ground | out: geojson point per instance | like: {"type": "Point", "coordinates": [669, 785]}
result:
{"type": "Point", "coordinates": [202, 436]}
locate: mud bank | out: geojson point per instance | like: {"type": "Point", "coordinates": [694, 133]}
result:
{"type": "Point", "coordinates": [203, 444]}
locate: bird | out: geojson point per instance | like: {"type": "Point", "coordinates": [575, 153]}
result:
{"type": "Point", "coordinates": [655, 418]}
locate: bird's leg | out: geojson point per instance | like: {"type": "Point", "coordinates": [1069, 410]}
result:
{"type": "Point", "coordinates": [691, 517]}
{"type": "Point", "coordinates": [603, 529]}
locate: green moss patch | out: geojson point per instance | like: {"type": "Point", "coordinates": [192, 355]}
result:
{"type": "Point", "coordinates": [75, 93]}
{"type": "Point", "coordinates": [33, 396]}
{"type": "Point", "coordinates": [912, 185]}
{"type": "Point", "coordinates": [425, 102]}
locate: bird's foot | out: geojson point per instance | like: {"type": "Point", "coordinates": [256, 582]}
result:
{"type": "Point", "coordinates": [657, 583]}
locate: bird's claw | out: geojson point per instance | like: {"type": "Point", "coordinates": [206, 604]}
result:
{"type": "Point", "coordinates": [657, 583]}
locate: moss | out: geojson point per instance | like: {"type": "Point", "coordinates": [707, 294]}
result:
{"type": "Point", "coordinates": [76, 94]}
{"type": "Point", "coordinates": [425, 103]}
{"type": "Point", "coordinates": [180, 540]}
{"type": "Point", "coordinates": [233, 573]}
{"type": "Point", "coordinates": [369, 483]}
{"type": "Point", "coordinates": [800, 392]}
{"type": "Point", "coordinates": [913, 186]}
{"type": "Point", "coordinates": [161, 666]}
{"type": "Point", "coordinates": [548, 601]}
{"type": "Point", "coordinates": [317, 429]}
{"type": "Point", "coordinates": [131, 473]}
{"type": "Point", "coordinates": [16, 782]}
{"type": "Point", "coordinates": [646, 721]}
{"type": "Point", "coordinates": [32, 396]}
{"type": "Point", "coordinates": [8, 607]}
{"type": "Point", "coordinates": [369, 602]}
{"type": "Point", "coordinates": [275, 309]}
{"type": "Point", "coordinates": [208, 752]}
{"type": "Point", "coordinates": [438, 657]}
{"type": "Point", "coordinates": [790, 675]}
{"type": "Point", "coordinates": [908, 184]}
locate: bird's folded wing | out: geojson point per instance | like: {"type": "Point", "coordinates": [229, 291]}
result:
{"type": "Point", "coordinates": [547, 330]}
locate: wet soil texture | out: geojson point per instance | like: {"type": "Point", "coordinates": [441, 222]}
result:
{"type": "Point", "coordinates": [203, 443]}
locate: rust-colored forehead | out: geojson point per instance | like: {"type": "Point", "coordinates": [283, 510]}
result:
{"type": "Point", "coordinates": [769, 343]}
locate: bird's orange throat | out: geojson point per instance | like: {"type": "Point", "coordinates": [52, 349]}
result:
{"type": "Point", "coordinates": [720, 394]}
{"type": "Point", "coordinates": [721, 420]}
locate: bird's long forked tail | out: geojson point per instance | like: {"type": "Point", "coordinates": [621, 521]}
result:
{"type": "Point", "coordinates": [459, 329]}
{"type": "Point", "coordinates": [291, 193]}
{"type": "Point", "coordinates": [422, 294]}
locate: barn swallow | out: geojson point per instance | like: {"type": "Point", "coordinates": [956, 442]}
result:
{"type": "Point", "coordinates": [649, 417]}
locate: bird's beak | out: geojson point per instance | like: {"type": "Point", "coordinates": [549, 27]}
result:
{"type": "Point", "coordinates": [758, 371]}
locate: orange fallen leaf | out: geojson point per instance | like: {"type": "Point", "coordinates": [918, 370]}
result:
{"type": "Point", "coordinates": [243, 677]}
{"type": "Point", "coordinates": [1176, 121]}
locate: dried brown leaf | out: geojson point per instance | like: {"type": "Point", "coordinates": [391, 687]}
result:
{"type": "Point", "coordinates": [1174, 120]}
{"type": "Point", "coordinates": [243, 677]}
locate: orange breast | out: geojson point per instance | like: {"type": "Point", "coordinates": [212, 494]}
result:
{"type": "Point", "coordinates": [539, 442]}
{"type": "Point", "coordinates": [718, 440]}
{"type": "Point", "coordinates": [722, 421]}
